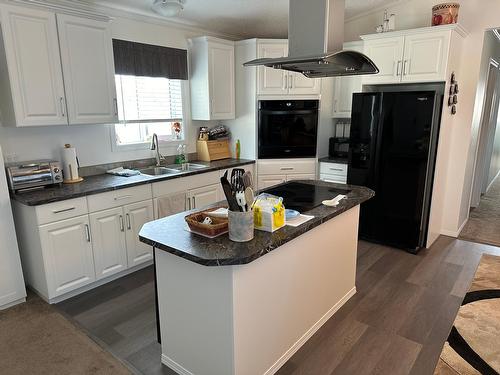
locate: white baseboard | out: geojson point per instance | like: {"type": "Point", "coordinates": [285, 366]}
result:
{"type": "Point", "coordinates": [170, 363]}
{"type": "Point", "coordinates": [295, 347]}
{"type": "Point", "coordinates": [456, 233]}
{"type": "Point", "coordinates": [13, 303]}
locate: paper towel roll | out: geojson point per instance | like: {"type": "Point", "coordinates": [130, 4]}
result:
{"type": "Point", "coordinates": [70, 164]}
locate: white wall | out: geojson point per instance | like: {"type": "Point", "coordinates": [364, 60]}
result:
{"type": "Point", "coordinates": [476, 16]}
{"type": "Point", "coordinates": [93, 142]}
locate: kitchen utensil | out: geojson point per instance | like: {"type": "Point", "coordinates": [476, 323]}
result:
{"type": "Point", "coordinates": [249, 197]}
{"type": "Point", "coordinates": [240, 198]}
{"type": "Point", "coordinates": [228, 192]}
{"type": "Point", "coordinates": [248, 179]}
{"type": "Point", "coordinates": [335, 201]}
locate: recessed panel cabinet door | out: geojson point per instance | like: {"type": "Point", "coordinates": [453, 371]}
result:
{"type": "Point", "coordinates": [299, 84]}
{"type": "Point", "coordinates": [268, 181]}
{"type": "Point", "coordinates": [387, 54]}
{"type": "Point", "coordinates": [203, 196]}
{"type": "Point", "coordinates": [34, 66]}
{"type": "Point", "coordinates": [67, 255]}
{"type": "Point", "coordinates": [108, 238]}
{"type": "Point", "coordinates": [136, 215]}
{"type": "Point", "coordinates": [221, 67]}
{"type": "Point", "coordinates": [88, 68]}
{"type": "Point", "coordinates": [272, 81]}
{"type": "Point", "coordinates": [425, 57]}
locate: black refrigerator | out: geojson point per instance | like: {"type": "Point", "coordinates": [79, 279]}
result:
{"type": "Point", "coordinates": [392, 150]}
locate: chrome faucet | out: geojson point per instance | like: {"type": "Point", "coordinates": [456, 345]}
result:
{"type": "Point", "coordinates": [156, 147]}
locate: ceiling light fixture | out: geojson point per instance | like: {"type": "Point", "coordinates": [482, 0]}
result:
{"type": "Point", "coordinates": [168, 8]}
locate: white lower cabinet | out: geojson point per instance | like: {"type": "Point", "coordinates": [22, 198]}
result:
{"type": "Point", "coordinates": [304, 176]}
{"type": "Point", "coordinates": [67, 254]}
{"type": "Point", "coordinates": [333, 172]}
{"type": "Point", "coordinates": [268, 181]}
{"type": "Point", "coordinates": [136, 215]}
{"type": "Point", "coordinates": [204, 196]}
{"type": "Point", "coordinates": [108, 242]}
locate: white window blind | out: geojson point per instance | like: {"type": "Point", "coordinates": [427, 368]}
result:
{"type": "Point", "coordinates": [147, 105]}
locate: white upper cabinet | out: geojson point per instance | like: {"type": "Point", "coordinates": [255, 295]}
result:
{"type": "Point", "coordinates": [272, 81]}
{"type": "Point", "coordinates": [32, 85]}
{"type": "Point", "coordinates": [60, 69]}
{"type": "Point", "coordinates": [387, 54]}
{"type": "Point", "coordinates": [418, 55]}
{"type": "Point", "coordinates": [425, 56]}
{"type": "Point", "coordinates": [88, 68]}
{"type": "Point", "coordinates": [281, 82]}
{"type": "Point", "coordinates": [212, 79]}
{"type": "Point", "coordinates": [344, 87]}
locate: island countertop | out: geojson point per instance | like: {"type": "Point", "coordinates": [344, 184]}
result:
{"type": "Point", "coordinates": [169, 233]}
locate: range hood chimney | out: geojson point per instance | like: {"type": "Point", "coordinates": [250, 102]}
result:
{"type": "Point", "coordinates": [315, 40]}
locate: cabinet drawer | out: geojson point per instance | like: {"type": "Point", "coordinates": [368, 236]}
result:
{"type": "Point", "coordinates": [51, 212]}
{"type": "Point", "coordinates": [333, 178]}
{"type": "Point", "coordinates": [185, 183]}
{"type": "Point", "coordinates": [118, 198]}
{"type": "Point", "coordinates": [333, 168]}
{"type": "Point", "coordinates": [286, 166]}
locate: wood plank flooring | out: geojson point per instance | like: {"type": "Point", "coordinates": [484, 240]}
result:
{"type": "Point", "coordinates": [396, 323]}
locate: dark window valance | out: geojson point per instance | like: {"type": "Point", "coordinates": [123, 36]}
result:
{"type": "Point", "coordinates": [147, 60]}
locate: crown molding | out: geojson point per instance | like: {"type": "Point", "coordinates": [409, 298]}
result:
{"type": "Point", "coordinates": [73, 7]}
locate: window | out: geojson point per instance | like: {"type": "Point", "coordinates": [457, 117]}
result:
{"type": "Point", "coordinates": [148, 105]}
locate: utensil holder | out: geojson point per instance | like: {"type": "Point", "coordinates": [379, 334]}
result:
{"type": "Point", "coordinates": [241, 226]}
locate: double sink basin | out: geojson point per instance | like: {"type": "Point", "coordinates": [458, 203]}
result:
{"type": "Point", "coordinates": [172, 169]}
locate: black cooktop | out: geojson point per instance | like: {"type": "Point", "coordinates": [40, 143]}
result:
{"type": "Point", "coordinates": [304, 197]}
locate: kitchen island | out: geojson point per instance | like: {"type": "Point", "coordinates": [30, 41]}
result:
{"type": "Point", "coordinates": [246, 308]}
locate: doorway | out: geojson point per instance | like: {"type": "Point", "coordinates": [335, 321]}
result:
{"type": "Point", "coordinates": [484, 221]}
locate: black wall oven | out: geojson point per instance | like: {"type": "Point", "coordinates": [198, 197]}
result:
{"type": "Point", "coordinates": [288, 128]}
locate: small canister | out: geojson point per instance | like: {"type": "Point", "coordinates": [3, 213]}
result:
{"type": "Point", "coordinates": [241, 226]}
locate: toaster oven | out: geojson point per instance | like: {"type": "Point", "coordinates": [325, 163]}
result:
{"type": "Point", "coordinates": [33, 174]}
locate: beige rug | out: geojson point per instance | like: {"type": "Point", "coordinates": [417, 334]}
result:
{"type": "Point", "coordinates": [484, 221]}
{"type": "Point", "coordinates": [473, 347]}
{"type": "Point", "coordinates": [36, 339]}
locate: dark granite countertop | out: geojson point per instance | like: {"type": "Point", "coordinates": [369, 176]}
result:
{"type": "Point", "coordinates": [329, 159]}
{"type": "Point", "coordinates": [106, 182]}
{"type": "Point", "coordinates": [169, 234]}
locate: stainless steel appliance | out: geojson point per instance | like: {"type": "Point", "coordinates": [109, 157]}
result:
{"type": "Point", "coordinates": [288, 128]}
{"type": "Point", "coordinates": [393, 145]}
{"type": "Point", "coordinates": [316, 35]}
{"type": "Point", "coordinates": [33, 174]}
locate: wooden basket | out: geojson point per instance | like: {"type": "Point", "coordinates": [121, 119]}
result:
{"type": "Point", "coordinates": [195, 222]}
{"type": "Point", "coordinates": [213, 150]}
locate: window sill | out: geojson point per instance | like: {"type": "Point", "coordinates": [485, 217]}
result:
{"type": "Point", "coordinates": [164, 146]}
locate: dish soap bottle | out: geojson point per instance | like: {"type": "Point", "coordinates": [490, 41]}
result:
{"type": "Point", "coordinates": [238, 149]}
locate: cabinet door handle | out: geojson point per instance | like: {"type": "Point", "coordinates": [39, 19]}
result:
{"type": "Point", "coordinates": [194, 202]}
{"type": "Point", "coordinates": [87, 233]}
{"type": "Point", "coordinates": [404, 67]}
{"type": "Point", "coordinates": [287, 169]}
{"type": "Point", "coordinates": [122, 197]}
{"type": "Point", "coordinates": [129, 226]}
{"type": "Point", "coordinates": [337, 169]}
{"type": "Point", "coordinates": [63, 210]}
{"type": "Point", "coordinates": [189, 201]}
{"type": "Point", "coordinates": [285, 79]}
{"type": "Point", "coordinates": [290, 78]}
{"type": "Point", "coordinates": [398, 69]}
{"type": "Point", "coordinates": [63, 111]}
{"type": "Point", "coordinates": [115, 102]}
{"type": "Point", "coordinates": [122, 227]}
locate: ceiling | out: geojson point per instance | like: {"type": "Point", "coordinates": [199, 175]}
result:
{"type": "Point", "coordinates": [242, 18]}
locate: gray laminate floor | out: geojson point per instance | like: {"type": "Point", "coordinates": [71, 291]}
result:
{"type": "Point", "coordinates": [395, 324]}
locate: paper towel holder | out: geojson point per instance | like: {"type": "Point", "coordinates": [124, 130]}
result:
{"type": "Point", "coordinates": [72, 176]}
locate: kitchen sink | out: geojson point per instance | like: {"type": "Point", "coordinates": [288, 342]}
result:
{"type": "Point", "coordinates": [159, 171]}
{"type": "Point", "coordinates": [187, 167]}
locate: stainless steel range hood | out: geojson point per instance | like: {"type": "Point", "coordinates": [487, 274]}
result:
{"type": "Point", "coordinates": [315, 39]}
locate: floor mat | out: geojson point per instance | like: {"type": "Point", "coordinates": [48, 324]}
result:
{"type": "Point", "coordinates": [36, 339]}
{"type": "Point", "coordinates": [473, 346]}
